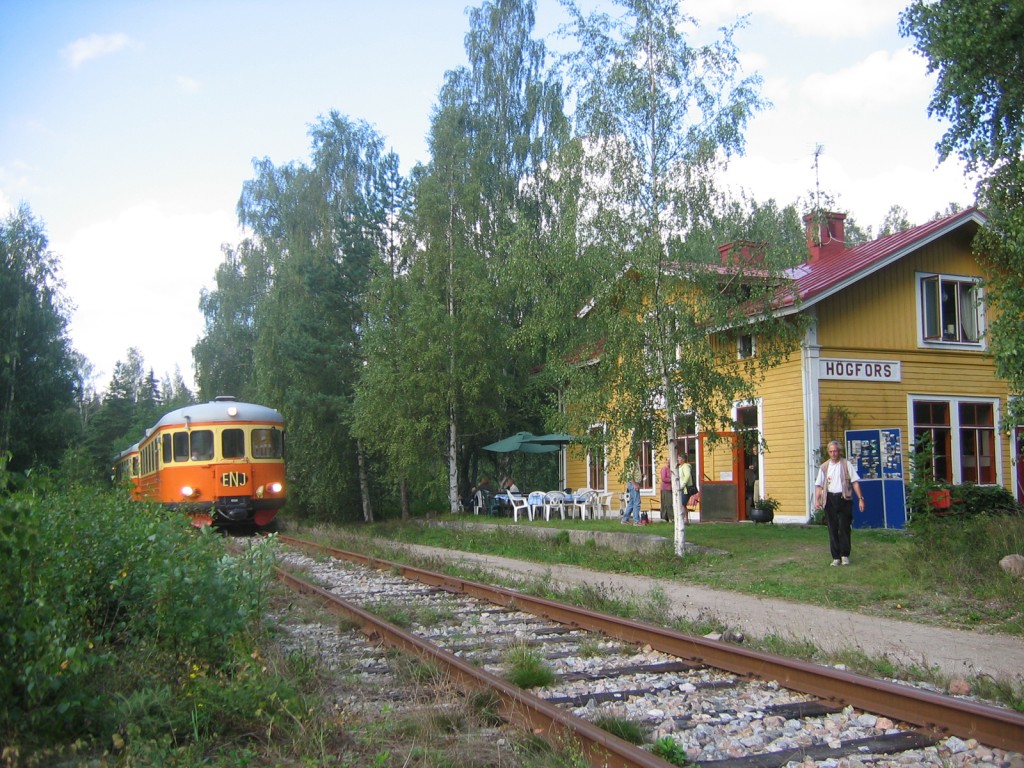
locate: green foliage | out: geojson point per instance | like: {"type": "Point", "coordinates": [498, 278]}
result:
{"type": "Point", "coordinates": [37, 365]}
{"type": "Point", "coordinates": [441, 370]}
{"type": "Point", "coordinates": [668, 749]}
{"type": "Point", "coordinates": [627, 730]}
{"type": "Point", "coordinates": [974, 46]}
{"type": "Point", "coordinates": [962, 553]}
{"type": "Point", "coordinates": [767, 503]}
{"type": "Point", "coordinates": [922, 479]}
{"type": "Point", "coordinates": [965, 501]}
{"type": "Point", "coordinates": [527, 668]}
{"type": "Point", "coordinates": [91, 583]}
{"type": "Point", "coordinates": [303, 275]}
{"type": "Point", "coordinates": [660, 113]}
{"type": "Point", "coordinates": [225, 354]}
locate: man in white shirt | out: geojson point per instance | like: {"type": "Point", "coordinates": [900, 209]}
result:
{"type": "Point", "coordinates": [834, 488]}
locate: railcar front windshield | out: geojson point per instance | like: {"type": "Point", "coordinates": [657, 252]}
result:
{"type": "Point", "coordinates": [196, 445]}
{"type": "Point", "coordinates": [267, 443]}
{"type": "Point", "coordinates": [232, 444]}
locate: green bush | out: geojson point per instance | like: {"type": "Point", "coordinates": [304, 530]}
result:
{"type": "Point", "coordinates": [89, 580]}
{"type": "Point", "coordinates": [966, 500]}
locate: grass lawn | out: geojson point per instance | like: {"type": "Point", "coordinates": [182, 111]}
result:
{"type": "Point", "coordinates": [946, 576]}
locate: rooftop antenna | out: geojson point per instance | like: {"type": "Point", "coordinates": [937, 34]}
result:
{"type": "Point", "coordinates": [818, 149]}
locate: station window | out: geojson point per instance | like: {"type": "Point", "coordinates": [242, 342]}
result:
{"type": "Point", "coordinates": [232, 444]}
{"type": "Point", "coordinates": [745, 346]}
{"type": "Point", "coordinates": [963, 438]}
{"type": "Point", "coordinates": [645, 464]}
{"type": "Point", "coordinates": [267, 444]}
{"type": "Point", "coordinates": [950, 309]}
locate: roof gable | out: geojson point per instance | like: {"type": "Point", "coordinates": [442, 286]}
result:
{"type": "Point", "coordinates": [817, 279]}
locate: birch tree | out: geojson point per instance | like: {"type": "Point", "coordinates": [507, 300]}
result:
{"type": "Point", "coordinates": [659, 116]}
{"type": "Point", "coordinates": [497, 121]}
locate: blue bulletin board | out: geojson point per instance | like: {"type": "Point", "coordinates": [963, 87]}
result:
{"type": "Point", "coordinates": [877, 454]}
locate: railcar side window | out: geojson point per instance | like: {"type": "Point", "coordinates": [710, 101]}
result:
{"type": "Point", "coordinates": [181, 446]}
{"type": "Point", "coordinates": [166, 444]}
{"type": "Point", "coordinates": [266, 444]}
{"type": "Point", "coordinates": [202, 444]}
{"type": "Point", "coordinates": [232, 444]}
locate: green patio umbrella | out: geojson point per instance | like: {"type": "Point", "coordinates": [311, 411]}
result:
{"type": "Point", "coordinates": [554, 438]}
{"type": "Point", "coordinates": [525, 442]}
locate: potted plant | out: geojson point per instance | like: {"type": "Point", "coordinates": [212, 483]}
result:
{"type": "Point", "coordinates": [763, 510]}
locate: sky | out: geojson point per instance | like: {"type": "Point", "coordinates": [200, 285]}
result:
{"type": "Point", "coordinates": [128, 127]}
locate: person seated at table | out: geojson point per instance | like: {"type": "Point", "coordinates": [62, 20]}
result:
{"type": "Point", "coordinates": [507, 487]}
{"type": "Point", "coordinates": [484, 486]}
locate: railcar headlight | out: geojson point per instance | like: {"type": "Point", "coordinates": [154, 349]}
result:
{"type": "Point", "coordinates": [188, 491]}
{"type": "Point", "coordinates": [276, 487]}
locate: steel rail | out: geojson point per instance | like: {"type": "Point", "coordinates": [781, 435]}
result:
{"type": "Point", "coordinates": [991, 726]}
{"type": "Point", "coordinates": [554, 724]}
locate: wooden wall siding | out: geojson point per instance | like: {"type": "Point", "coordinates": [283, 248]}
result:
{"type": "Point", "coordinates": [784, 465]}
{"type": "Point", "coordinates": [924, 372]}
{"type": "Point", "coordinates": [880, 311]}
{"type": "Point", "coordinates": [576, 469]}
{"type": "Point", "coordinates": [878, 318]}
{"type": "Point", "coordinates": [875, 318]}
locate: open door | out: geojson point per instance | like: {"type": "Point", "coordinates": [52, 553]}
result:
{"type": "Point", "coordinates": [721, 481]}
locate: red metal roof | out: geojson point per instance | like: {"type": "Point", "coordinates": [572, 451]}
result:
{"type": "Point", "coordinates": [828, 274]}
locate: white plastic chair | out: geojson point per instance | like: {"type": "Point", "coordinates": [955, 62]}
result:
{"type": "Point", "coordinates": [519, 504]}
{"type": "Point", "coordinates": [536, 501]}
{"type": "Point", "coordinates": [554, 500]}
{"type": "Point", "coordinates": [583, 500]}
{"type": "Point", "coordinates": [603, 504]}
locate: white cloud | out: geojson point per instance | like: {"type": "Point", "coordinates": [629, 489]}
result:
{"type": "Point", "coordinates": [136, 280]}
{"type": "Point", "coordinates": [187, 84]}
{"type": "Point", "coordinates": [829, 19]}
{"type": "Point", "coordinates": [92, 47]}
{"type": "Point", "coordinates": [881, 80]}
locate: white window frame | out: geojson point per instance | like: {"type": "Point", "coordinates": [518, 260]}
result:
{"type": "Point", "coordinates": [741, 354]}
{"type": "Point", "coordinates": [604, 460]}
{"type": "Point", "coordinates": [955, 455]}
{"type": "Point", "coordinates": [941, 340]}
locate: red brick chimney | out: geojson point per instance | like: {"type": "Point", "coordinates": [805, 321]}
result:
{"type": "Point", "coordinates": [825, 235]}
{"type": "Point", "coordinates": [743, 252]}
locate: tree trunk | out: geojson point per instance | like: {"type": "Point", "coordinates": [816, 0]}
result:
{"type": "Point", "coordinates": [364, 484]}
{"type": "Point", "coordinates": [453, 466]}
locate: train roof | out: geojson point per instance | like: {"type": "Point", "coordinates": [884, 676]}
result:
{"type": "Point", "coordinates": [127, 452]}
{"type": "Point", "coordinates": [220, 410]}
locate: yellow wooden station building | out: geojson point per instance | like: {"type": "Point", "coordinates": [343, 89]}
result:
{"type": "Point", "coordinates": [896, 349]}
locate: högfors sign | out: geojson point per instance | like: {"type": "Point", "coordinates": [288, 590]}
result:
{"type": "Point", "coordinates": [859, 370]}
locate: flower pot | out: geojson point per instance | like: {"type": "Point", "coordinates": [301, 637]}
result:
{"type": "Point", "coordinates": [759, 515]}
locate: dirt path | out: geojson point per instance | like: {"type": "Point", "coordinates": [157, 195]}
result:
{"type": "Point", "coordinates": [955, 652]}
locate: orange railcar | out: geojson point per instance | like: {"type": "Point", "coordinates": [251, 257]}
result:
{"type": "Point", "coordinates": [126, 470]}
{"type": "Point", "coordinates": [221, 462]}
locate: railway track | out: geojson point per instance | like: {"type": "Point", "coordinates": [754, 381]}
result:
{"type": "Point", "coordinates": [723, 705]}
